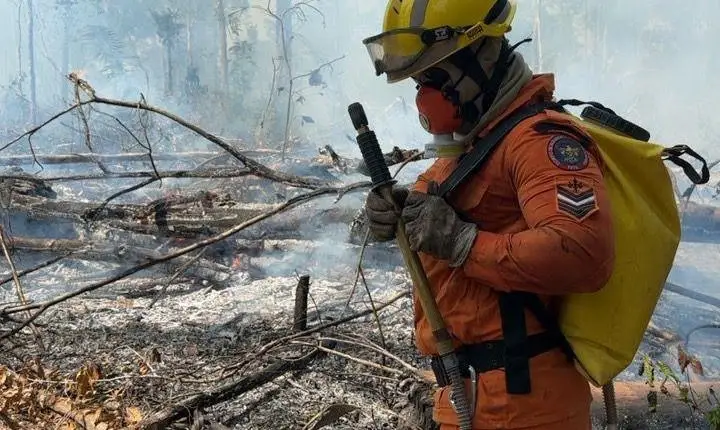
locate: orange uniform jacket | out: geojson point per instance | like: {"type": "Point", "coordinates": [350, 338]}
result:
{"type": "Point", "coordinates": [544, 226]}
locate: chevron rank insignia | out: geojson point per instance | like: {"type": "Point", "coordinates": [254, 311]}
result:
{"type": "Point", "coordinates": [576, 198]}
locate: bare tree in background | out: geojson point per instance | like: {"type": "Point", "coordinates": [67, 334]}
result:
{"type": "Point", "coordinates": [31, 55]}
{"type": "Point", "coordinates": [222, 46]}
{"type": "Point", "coordinates": [168, 29]}
{"type": "Point", "coordinates": [65, 9]}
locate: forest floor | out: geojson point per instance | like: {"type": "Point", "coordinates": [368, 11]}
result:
{"type": "Point", "coordinates": [113, 362]}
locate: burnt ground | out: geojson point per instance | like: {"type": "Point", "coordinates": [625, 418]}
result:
{"type": "Point", "coordinates": [115, 354]}
{"type": "Point", "coordinates": [194, 342]}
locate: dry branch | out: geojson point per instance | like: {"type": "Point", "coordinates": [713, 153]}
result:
{"type": "Point", "coordinates": [703, 298]}
{"type": "Point", "coordinates": [257, 168]}
{"type": "Point", "coordinates": [220, 173]}
{"type": "Point", "coordinates": [225, 392]}
{"type": "Point", "coordinates": [84, 158]}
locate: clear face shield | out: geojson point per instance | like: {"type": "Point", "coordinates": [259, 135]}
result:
{"type": "Point", "coordinates": [398, 50]}
{"type": "Point", "coordinates": [404, 52]}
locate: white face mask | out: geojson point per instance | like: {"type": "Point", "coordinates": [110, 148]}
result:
{"type": "Point", "coordinates": [444, 146]}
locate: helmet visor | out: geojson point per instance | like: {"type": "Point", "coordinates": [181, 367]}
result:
{"type": "Point", "coordinates": [395, 50]}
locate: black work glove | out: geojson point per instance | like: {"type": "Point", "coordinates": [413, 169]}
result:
{"type": "Point", "coordinates": [382, 215]}
{"type": "Point", "coordinates": [433, 227]}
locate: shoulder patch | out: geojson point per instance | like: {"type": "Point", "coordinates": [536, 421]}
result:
{"type": "Point", "coordinates": [576, 198]}
{"type": "Point", "coordinates": [567, 153]}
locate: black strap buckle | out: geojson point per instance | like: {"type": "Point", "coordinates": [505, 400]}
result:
{"type": "Point", "coordinates": [486, 356]}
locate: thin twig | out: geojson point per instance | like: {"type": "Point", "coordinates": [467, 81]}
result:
{"type": "Point", "coordinates": [375, 313]}
{"type": "Point", "coordinates": [36, 268]}
{"type": "Point", "coordinates": [357, 272]}
{"type": "Point", "coordinates": [370, 345]}
{"type": "Point", "coordinates": [18, 286]}
{"type": "Point", "coordinates": [350, 357]}
{"type": "Point", "coordinates": [268, 346]}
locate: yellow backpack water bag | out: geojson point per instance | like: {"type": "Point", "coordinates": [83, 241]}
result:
{"type": "Point", "coordinates": [604, 329]}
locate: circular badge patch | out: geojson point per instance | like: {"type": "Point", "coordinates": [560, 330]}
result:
{"type": "Point", "coordinates": [567, 153]}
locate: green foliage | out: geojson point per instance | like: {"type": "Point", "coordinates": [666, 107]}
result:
{"type": "Point", "coordinates": [657, 370]}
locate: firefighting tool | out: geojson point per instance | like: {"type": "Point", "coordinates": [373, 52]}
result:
{"type": "Point", "coordinates": [383, 184]}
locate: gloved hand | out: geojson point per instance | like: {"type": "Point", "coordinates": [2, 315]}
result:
{"type": "Point", "coordinates": [433, 227]}
{"type": "Point", "coordinates": [382, 215]}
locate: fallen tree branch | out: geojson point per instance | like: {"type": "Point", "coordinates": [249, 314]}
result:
{"type": "Point", "coordinates": [257, 168]}
{"type": "Point", "coordinates": [88, 158]}
{"type": "Point", "coordinates": [105, 252]}
{"type": "Point", "coordinates": [225, 392]}
{"type": "Point", "coordinates": [190, 220]}
{"type": "Point", "coordinates": [170, 174]}
{"type": "Point", "coordinates": [703, 298]}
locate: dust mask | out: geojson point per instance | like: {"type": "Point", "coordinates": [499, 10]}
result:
{"type": "Point", "coordinates": [440, 117]}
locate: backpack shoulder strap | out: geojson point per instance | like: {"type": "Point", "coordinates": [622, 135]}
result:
{"type": "Point", "coordinates": [472, 161]}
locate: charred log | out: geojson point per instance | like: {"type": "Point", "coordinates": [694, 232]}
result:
{"type": "Point", "coordinates": [124, 254]}
{"type": "Point", "coordinates": [91, 158]}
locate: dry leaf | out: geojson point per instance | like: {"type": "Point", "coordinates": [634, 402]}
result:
{"type": "Point", "coordinates": [683, 358]}
{"type": "Point", "coordinates": [697, 367]}
{"type": "Point", "coordinates": [86, 379]}
{"type": "Point", "coordinates": [62, 405]}
{"type": "Point", "coordinates": [3, 375]}
{"type": "Point", "coordinates": [92, 418]}
{"type": "Point", "coordinates": [67, 425]}
{"type": "Point", "coordinates": [132, 415]}
{"type": "Point", "coordinates": [144, 368]}
{"type": "Point", "coordinates": [122, 302]}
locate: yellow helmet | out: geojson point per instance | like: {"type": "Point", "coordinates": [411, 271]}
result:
{"type": "Point", "coordinates": [417, 34]}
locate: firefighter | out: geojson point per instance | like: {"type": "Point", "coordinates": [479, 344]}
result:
{"type": "Point", "coordinates": [534, 221]}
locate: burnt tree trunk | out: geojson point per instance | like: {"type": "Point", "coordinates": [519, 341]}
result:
{"type": "Point", "coordinates": [301, 302]}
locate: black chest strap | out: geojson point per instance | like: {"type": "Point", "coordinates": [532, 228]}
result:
{"type": "Point", "coordinates": [472, 161]}
{"type": "Point", "coordinates": [517, 351]}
